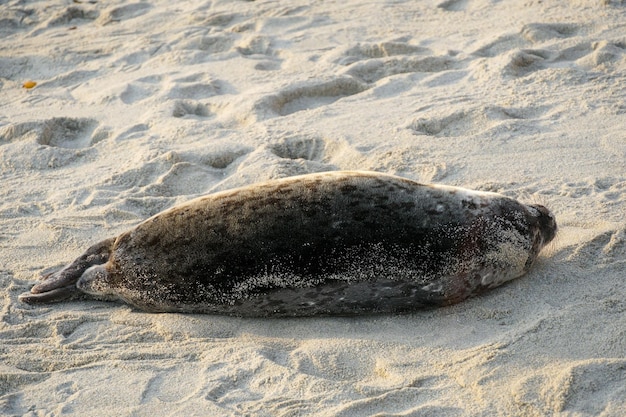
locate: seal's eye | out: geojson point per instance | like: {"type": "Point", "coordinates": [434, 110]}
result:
{"type": "Point", "coordinates": [541, 211]}
{"type": "Point", "coordinates": [533, 211]}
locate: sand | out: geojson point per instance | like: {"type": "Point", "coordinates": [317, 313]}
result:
{"type": "Point", "coordinates": [142, 105]}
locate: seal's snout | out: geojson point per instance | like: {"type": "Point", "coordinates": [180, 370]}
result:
{"type": "Point", "coordinates": [547, 222]}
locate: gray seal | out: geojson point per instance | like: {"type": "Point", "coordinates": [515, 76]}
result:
{"type": "Point", "coordinates": [337, 243]}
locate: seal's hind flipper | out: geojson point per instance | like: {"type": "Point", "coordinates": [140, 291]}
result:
{"type": "Point", "coordinates": [68, 276]}
{"type": "Point", "coordinates": [58, 294]}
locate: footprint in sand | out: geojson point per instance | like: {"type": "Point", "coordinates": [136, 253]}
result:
{"type": "Point", "coordinates": [364, 51]}
{"type": "Point", "coordinates": [149, 179]}
{"type": "Point", "coordinates": [474, 121]}
{"type": "Point", "coordinates": [189, 87]}
{"type": "Point", "coordinates": [541, 32]}
{"type": "Point", "coordinates": [73, 15]}
{"type": "Point", "coordinates": [183, 108]}
{"type": "Point", "coordinates": [212, 34]}
{"type": "Point", "coordinates": [52, 143]}
{"type": "Point", "coordinates": [308, 148]}
{"type": "Point", "coordinates": [608, 248]}
{"type": "Point", "coordinates": [193, 86]}
{"type": "Point", "coordinates": [301, 153]}
{"type": "Point", "coordinates": [410, 161]}
{"type": "Point", "coordinates": [174, 174]}
{"type": "Point", "coordinates": [61, 132]}
{"type": "Point", "coordinates": [126, 12]}
{"type": "Point", "coordinates": [260, 48]}
{"type": "Point", "coordinates": [609, 189]}
{"type": "Point", "coordinates": [595, 54]}
{"type": "Point", "coordinates": [170, 385]}
{"type": "Point", "coordinates": [371, 62]}
{"type": "Point", "coordinates": [135, 131]}
{"type": "Point", "coordinates": [65, 132]}
{"type": "Point", "coordinates": [298, 154]}
{"type": "Point", "coordinates": [287, 155]}
{"type": "Point", "coordinates": [330, 361]}
{"type": "Point", "coordinates": [13, 19]}
{"type": "Point", "coordinates": [216, 19]}
{"type": "Point", "coordinates": [529, 35]}
{"type": "Point", "coordinates": [222, 157]}
{"type": "Point", "coordinates": [524, 61]}
{"type": "Point", "coordinates": [211, 44]}
{"type": "Point", "coordinates": [550, 46]}
{"type": "Point", "coordinates": [373, 70]}
{"type": "Point", "coordinates": [308, 96]}
{"type": "Point", "coordinates": [134, 92]}
{"type": "Point", "coordinates": [594, 387]}
{"type": "Point", "coordinates": [254, 45]}
{"type": "Point", "coordinates": [15, 379]}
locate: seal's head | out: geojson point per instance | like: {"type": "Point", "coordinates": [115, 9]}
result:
{"type": "Point", "coordinates": [545, 222]}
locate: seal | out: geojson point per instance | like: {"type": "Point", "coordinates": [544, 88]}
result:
{"type": "Point", "coordinates": [339, 243]}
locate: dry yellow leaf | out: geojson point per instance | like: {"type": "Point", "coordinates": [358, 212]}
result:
{"type": "Point", "coordinates": [29, 84]}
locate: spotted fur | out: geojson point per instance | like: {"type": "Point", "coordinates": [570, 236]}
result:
{"type": "Point", "coordinates": [326, 243]}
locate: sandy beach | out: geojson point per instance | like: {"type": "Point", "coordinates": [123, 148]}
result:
{"type": "Point", "coordinates": [140, 106]}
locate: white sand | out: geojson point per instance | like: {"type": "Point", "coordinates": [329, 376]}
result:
{"type": "Point", "coordinates": [142, 105]}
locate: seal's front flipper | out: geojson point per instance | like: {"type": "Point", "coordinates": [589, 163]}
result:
{"type": "Point", "coordinates": [62, 284]}
{"type": "Point", "coordinates": [95, 282]}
